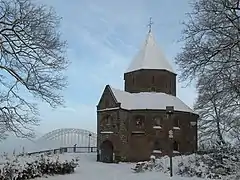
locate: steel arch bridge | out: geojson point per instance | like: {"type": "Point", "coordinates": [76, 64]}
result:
{"type": "Point", "coordinates": [68, 137]}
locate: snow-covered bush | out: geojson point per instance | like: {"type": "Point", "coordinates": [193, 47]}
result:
{"type": "Point", "coordinates": [223, 163]}
{"type": "Point", "coordinates": [151, 165]}
{"type": "Point", "coordinates": [205, 166]}
{"type": "Point", "coordinates": [29, 167]}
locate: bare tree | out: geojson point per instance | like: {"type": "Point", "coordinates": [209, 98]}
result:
{"type": "Point", "coordinates": [211, 57]}
{"type": "Point", "coordinates": [32, 63]}
{"type": "Point", "coordinates": [212, 39]}
{"type": "Point", "coordinates": [217, 109]}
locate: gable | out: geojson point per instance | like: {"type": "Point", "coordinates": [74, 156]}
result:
{"type": "Point", "coordinates": [107, 99]}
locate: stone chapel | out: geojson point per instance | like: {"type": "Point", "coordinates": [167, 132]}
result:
{"type": "Point", "coordinates": [132, 123]}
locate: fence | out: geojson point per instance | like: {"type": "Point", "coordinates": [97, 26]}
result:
{"type": "Point", "coordinates": [65, 150]}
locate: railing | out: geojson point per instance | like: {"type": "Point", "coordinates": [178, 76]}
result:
{"type": "Point", "coordinates": [65, 150]}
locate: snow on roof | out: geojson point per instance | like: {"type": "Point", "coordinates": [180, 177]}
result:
{"type": "Point", "coordinates": [150, 57]}
{"type": "Point", "coordinates": [148, 100]}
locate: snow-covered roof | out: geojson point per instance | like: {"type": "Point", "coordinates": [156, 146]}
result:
{"type": "Point", "coordinates": [150, 56]}
{"type": "Point", "coordinates": [148, 100]}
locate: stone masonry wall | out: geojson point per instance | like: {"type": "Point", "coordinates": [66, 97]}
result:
{"type": "Point", "coordinates": [184, 136]}
{"type": "Point", "coordinates": [150, 80]}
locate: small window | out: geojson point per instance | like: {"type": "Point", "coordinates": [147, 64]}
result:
{"type": "Point", "coordinates": [175, 146]}
{"type": "Point", "coordinates": [176, 123]}
{"type": "Point", "coordinates": [153, 80]}
{"type": "Point", "coordinates": [108, 120]}
{"type": "Point", "coordinates": [139, 121]}
{"type": "Point", "coordinates": [118, 125]}
{"type": "Point", "coordinates": [157, 121]}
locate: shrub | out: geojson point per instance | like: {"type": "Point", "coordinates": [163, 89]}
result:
{"type": "Point", "coordinates": [33, 167]}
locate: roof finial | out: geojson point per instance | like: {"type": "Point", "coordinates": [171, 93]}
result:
{"type": "Point", "coordinates": [150, 25]}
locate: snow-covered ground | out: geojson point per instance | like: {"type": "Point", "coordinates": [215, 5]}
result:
{"type": "Point", "coordinates": [89, 169]}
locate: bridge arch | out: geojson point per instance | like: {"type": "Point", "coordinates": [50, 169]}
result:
{"type": "Point", "coordinates": [68, 137]}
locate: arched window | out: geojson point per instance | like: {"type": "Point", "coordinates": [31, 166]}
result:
{"type": "Point", "coordinates": [108, 120]}
{"type": "Point", "coordinates": [139, 121]}
{"type": "Point", "coordinates": [175, 146]}
{"type": "Point", "coordinates": [176, 122]}
{"type": "Point", "coordinates": [153, 79]}
{"type": "Point", "coordinates": [157, 121]}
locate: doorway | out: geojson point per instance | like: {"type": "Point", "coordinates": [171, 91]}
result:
{"type": "Point", "coordinates": [106, 152]}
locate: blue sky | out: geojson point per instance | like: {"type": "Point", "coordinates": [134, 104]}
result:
{"type": "Point", "coordinates": [103, 36]}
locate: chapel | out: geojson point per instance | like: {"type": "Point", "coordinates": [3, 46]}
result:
{"type": "Point", "coordinates": [132, 124]}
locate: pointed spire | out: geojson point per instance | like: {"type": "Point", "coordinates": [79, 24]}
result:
{"type": "Point", "coordinates": [150, 56]}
